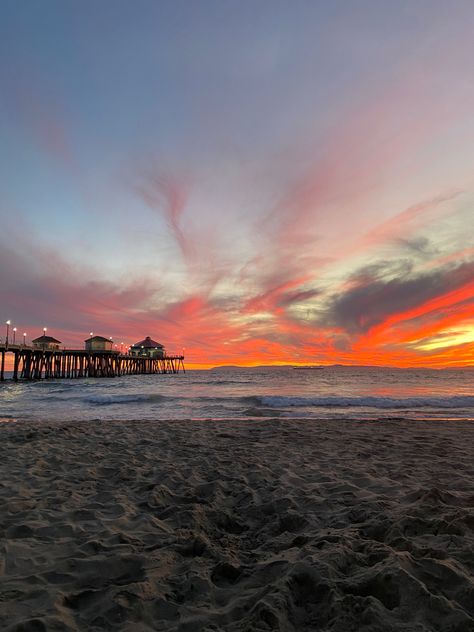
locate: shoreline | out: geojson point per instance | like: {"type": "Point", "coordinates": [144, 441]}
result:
{"type": "Point", "coordinates": [271, 524]}
{"type": "Point", "coordinates": [256, 418]}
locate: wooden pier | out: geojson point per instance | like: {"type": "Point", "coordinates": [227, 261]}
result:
{"type": "Point", "coordinates": [36, 364]}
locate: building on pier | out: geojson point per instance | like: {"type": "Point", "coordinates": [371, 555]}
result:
{"type": "Point", "coordinates": [46, 343]}
{"type": "Point", "coordinates": [98, 343]}
{"type": "Point", "coordinates": [148, 348]}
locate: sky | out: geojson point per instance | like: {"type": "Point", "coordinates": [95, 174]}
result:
{"type": "Point", "coordinates": [247, 182]}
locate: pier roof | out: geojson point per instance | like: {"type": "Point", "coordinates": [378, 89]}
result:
{"type": "Point", "coordinates": [148, 343]}
{"type": "Point", "coordinates": [45, 338]}
{"type": "Point", "coordinates": [98, 338]}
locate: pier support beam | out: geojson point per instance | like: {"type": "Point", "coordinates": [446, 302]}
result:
{"type": "Point", "coordinates": [15, 366]}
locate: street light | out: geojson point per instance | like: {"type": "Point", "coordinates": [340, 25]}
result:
{"type": "Point", "coordinates": [91, 334]}
{"type": "Point", "coordinates": [14, 334]}
{"type": "Point", "coordinates": [45, 329]}
{"type": "Point", "coordinates": [24, 339]}
{"type": "Point", "coordinates": [8, 329]}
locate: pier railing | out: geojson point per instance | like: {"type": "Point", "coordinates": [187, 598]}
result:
{"type": "Point", "coordinates": [35, 364]}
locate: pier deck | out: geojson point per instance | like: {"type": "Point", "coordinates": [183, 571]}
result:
{"type": "Point", "coordinates": [36, 364]}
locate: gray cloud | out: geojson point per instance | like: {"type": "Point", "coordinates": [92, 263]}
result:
{"type": "Point", "coordinates": [373, 298]}
{"type": "Point", "coordinates": [419, 246]}
{"type": "Point", "coordinates": [300, 296]}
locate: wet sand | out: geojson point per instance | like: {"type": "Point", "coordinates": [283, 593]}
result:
{"type": "Point", "coordinates": [237, 526]}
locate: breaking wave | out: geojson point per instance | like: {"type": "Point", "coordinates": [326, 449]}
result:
{"type": "Point", "coordinates": [279, 401]}
{"type": "Point", "coordinates": [133, 398]}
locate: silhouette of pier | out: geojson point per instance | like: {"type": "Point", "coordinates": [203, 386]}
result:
{"type": "Point", "coordinates": [36, 364]}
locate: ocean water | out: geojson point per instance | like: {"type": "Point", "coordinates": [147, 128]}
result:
{"type": "Point", "coordinates": [227, 393]}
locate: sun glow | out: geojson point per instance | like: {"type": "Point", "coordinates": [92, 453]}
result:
{"type": "Point", "coordinates": [447, 338]}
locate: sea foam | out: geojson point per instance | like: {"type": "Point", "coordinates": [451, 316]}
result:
{"type": "Point", "coordinates": [280, 401]}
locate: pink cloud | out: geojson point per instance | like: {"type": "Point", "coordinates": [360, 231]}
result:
{"type": "Point", "coordinates": [37, 110]}
{"type": "Point", "coordinates": [406, 222]}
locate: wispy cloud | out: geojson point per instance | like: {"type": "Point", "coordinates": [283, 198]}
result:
{"type": "Point", "coordinates": [168, 196]}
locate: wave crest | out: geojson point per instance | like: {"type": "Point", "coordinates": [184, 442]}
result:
{"type": "Point", "coordinates": [134, 398]}
{"type": "Point", "coordinates": [280, 401]}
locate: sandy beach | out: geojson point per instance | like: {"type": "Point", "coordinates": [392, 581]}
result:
{"type": "Point", "coordinates": [235, 526]}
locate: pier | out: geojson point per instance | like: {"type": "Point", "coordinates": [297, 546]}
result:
{"type": "Point", "coordinates": [37, 364]}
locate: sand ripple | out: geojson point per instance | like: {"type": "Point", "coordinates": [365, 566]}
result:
{"type": "Point", "coordinates": [238, 526]}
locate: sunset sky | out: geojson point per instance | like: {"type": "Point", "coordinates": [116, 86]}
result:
{"type": "Point", "coordinates": [254, 182]}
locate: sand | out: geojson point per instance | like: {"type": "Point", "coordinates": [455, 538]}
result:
{"type": "Point", "coordinates": [267, 525]}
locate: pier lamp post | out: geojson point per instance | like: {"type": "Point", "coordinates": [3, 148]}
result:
{"type": "Point", "coordinates": [24, 339]}
{"type": "Point", "coordinates": [91, 334]}
{"type": "Point", "coordinates": [45, 329]}
{"type": "Point", "coordinates": [14, 335]}
{"type": "Point", "coordinates": [7, 323]}
{"type": "Point", "coordinates": [121, 348]}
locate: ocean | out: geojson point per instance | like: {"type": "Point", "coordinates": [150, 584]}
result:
{"type": "Point", "coordinates": [335, 392]}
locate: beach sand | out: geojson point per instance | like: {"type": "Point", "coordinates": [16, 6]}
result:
{"type": "Point", "coordinates": [233, 526]}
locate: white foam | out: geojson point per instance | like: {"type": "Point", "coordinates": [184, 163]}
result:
{"type": "Point", "coordinates": [458, 401]}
